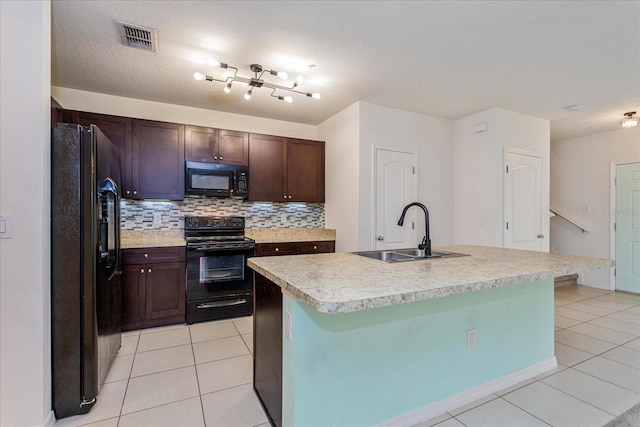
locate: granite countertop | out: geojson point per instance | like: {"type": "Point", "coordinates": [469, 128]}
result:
{"type": "Point", "coordinates": [283, 235]}
{"type": "Point", "coordinates": [130, 239]}
{"type": "Point", "coordinates": [344, 282]}
{"type": "Point", "coordinates": [161, 238]}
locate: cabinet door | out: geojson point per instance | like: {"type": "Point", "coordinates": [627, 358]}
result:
{"type": "Point", "coordinates": [267, 156]}
{"type": "Point", "coordinates": [305, 171]}
{"type": "Point", "coordinates": [201, 144]}
{"type": "Point", "coordinates": [165, 290]}
{"type": "Point", "coordinates": [133, 297]}
{"type": "Point", "coordinates": [233, 147]}
{"type": "Point", "coordinates": [316, 247]}
{"type": "Point", "coordinates": [118, 130]}
{"type": "Point", "coordinates": [157, 160]}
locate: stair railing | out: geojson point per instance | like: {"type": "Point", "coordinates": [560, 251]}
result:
{"type": "Point", "coordinates": [555, 212]}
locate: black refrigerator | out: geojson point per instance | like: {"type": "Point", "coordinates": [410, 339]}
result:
{"type": "Point", "coordinates": [86, 281]}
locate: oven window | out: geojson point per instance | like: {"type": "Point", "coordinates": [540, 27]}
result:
{"type": "Point", "coordinates": [210, 182]}
{"type": "Point", "coordinates": [221, 268]}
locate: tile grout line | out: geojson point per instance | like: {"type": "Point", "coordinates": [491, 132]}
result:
{"type": "Point", "coordinates": [195, 367]}
{"type": "Point", "coordinates": [124, 397]}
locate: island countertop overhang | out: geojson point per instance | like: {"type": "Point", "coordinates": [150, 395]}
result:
{"type": "Point", "coordinates": [343, 282]}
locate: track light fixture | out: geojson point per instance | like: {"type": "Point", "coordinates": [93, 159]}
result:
{"type": "Point", "coordinates": [630, 120]}
{"type": "Point", "coordinates": [257, 81]}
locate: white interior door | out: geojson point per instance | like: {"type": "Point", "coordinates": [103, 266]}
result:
{"type": "Point", "coordinates": [523, 202]}
{"type": "Point", "coordinates": [628, 228]}
{"type": "Point", "coordinates": [395, 184]}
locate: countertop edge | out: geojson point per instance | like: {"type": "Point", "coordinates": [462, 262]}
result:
{"type": "Point", "coordinates": [422, 295]}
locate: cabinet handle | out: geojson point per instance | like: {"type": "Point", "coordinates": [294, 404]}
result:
{"type": "Point", "coordinates": [220, 157]}
{"type": "Point", "coordinates": [380, 238]}
{"type": "Point", "coordinates": [284, 197]}
{"type": "Point", "coordinates": [142, 271]}
{"type": "Point", "coordinates": [315, 247]}
{"type": "Point", "coordinates": [135, 191]}
{"type": "Point", "coordinates": [149, 271]}
{"type": "Point", "coordinates": [215, 157]}
{"type": "Point", "coordinates": [540, 236]}
{"type": "Point", "coordinates": [146, 255]}
{"type": "Point", "coordinates": [277, 249]}
{"type": "Point", "coordinates": [128, 192]}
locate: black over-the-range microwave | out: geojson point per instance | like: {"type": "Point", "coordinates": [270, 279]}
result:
{"type": "Point", "coordinates": [217, 180]}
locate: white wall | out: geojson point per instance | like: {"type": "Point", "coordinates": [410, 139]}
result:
{"type": "Point", "coordinates": [341, 134]}
{"type": "Point", "coordinates": [580, 188]}
{"type": "Point", "coordinates": [25, 356]}
{"type": "Point", "coordinates": [72, 99]}
{"type": "Point", "coordinates": [432, 138]}
{"type": "Point", "coordinates": [478, 181]}
{"type": "Point", "coordinates": [477, 178]}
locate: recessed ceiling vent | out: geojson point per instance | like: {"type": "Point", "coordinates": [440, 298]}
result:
{"type": "Point", "coordinates": [137, 36]}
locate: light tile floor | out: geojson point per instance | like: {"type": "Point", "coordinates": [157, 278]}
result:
{"type": "Point", "coordinates": [201, 375]}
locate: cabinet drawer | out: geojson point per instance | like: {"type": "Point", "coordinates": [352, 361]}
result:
{"type": "Point", "coordinates": [153, 255]}
{"type": "Point", "coordinates": [316, 247]}
{"type": "Point", "coordinates": [270, 249]}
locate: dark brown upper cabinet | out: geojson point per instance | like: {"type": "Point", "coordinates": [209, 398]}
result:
{"type": "Point", "coordinates": [157, 161]}
{"type": "Point", "coordinates": [305, 171]}
{"type": "Point", "coordinates": [118, 130]}
{"type": "Point", "coordinates": [285, 169]}
{"type": "Point", "coordinates": [267, 160]}
{"type": "Point", "coordinates": [216, 146]}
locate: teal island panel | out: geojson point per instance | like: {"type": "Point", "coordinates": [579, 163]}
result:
{"type": "Point", "coordinates": [367, 367]}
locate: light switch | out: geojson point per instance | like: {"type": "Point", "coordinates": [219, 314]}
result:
{"type": "Point", "coordinates": [6, 226]}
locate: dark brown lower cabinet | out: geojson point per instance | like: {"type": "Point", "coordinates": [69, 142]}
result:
{"type": "Point", "coordinates": [153, 288]}
{"type": "Point", "coordinates": [267, 347]}
{"type": "Point", "coordinates": [295, 248]}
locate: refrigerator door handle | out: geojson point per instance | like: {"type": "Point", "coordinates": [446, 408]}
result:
{"type": "Point", "coordinates": [109, 187]}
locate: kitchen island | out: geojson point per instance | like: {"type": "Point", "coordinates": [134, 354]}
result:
{"type": "Point", "coordinates": [341, 339]}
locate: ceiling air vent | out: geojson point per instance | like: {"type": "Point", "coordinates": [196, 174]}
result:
{"type": "Point", "coordinates": [137, 36]}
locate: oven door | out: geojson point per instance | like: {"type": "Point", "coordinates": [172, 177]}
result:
{"type": "Point", "coordinates": [217, 272]}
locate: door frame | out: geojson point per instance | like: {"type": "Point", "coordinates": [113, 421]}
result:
{"type": "Point", "coordinates": [612, 218]}
{"type": "Point", "coordinates": [529, 153]}
{"type": "Point", "coordinates": [374, 195]}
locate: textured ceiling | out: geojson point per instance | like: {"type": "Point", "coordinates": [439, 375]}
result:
{"type": "Point", "coordinates": [442, 58]}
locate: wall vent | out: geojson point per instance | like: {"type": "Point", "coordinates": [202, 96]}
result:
{"type": "Point", "coordinates": [137, 36]}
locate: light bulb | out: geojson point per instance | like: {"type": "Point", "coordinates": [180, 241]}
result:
{"type": "Point", "coordinates": [315, 95]}
{"type": "Point", "coordinates": [198, 76]}
{"type": "Point", "coordinates": [283, 75]}
{"type": "Point", "coordinates": [247, 95]}
{"type": "Point", "coordinates": [288, 99]}
{"type": "Point", "coordinates": [213, 62]}
{"type": "Point", "coordinates": [299, 79]}
{"type": "Point", "coordinates": [227, 88]}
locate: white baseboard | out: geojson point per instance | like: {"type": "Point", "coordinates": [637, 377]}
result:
{"type": "Point", "coordinates": [50, 420]}
{"type": "Point", "coordinates": [457, 400]}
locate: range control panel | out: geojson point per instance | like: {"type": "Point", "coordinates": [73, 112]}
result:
{"type": "Point", "coordinates": [213, 222]}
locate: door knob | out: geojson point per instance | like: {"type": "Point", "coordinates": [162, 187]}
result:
{"type": "Point", "coordinates": [381, 238]}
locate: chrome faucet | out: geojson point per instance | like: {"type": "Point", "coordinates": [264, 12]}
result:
{"type": "Point", "coordinates": [426, 240]}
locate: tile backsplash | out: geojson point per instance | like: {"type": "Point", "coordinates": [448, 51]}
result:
{"type": "Point", "coordinates": [169, 215]}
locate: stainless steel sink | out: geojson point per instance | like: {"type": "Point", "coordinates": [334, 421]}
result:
{"type": "Point", "coordinates": [403, 255]}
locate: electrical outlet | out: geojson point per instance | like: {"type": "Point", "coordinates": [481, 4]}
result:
{"type": "Point", "coordinates": [283, 217]}
{"type": "Point", "coordinates": [157, 219]}
{"type": "Point", "coordinates": [471, 338]}
{"type": "Point", "coordinates": [6, 226]}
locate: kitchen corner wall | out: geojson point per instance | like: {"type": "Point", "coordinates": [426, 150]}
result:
{"type": "Point", "coordinates": [169, 215]}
